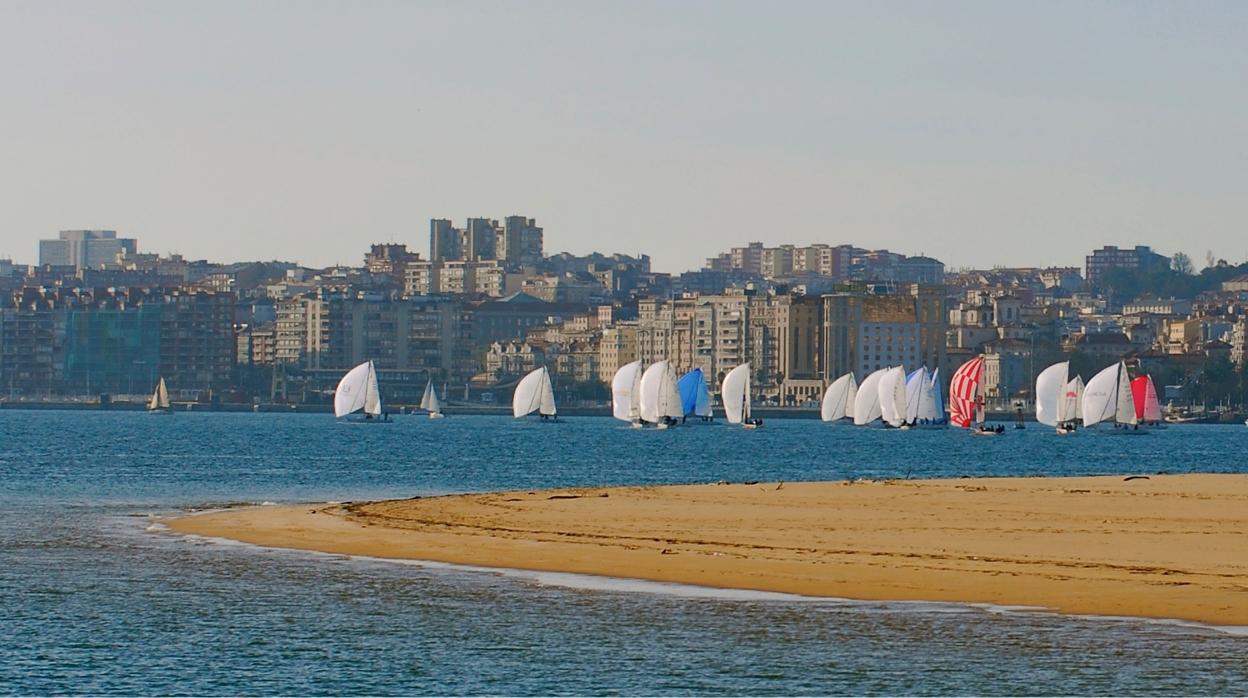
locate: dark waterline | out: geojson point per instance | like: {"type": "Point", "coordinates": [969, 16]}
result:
{"type": "Point", "coordinates": [97, 603]}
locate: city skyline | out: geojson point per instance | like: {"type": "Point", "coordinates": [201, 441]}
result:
{"type": "Point", "coordinates": [981, 133]}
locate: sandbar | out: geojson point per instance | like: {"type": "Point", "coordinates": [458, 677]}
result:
{"type": "Point", "coordinates": [1169, 546]}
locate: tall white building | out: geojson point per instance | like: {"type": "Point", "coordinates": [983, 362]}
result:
{"type": "Point", "coordinates": [88, 249]}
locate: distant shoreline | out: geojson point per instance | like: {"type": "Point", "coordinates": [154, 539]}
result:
{"type": "Point", "coordinates": [450, 410]}
{"type": "Point", "coordinates": [1159, 547]}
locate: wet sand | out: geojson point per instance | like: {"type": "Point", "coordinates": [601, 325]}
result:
{"type": "Point", "coordinates": [1163, 547]}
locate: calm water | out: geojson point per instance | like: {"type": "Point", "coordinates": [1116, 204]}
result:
{"type": "Point", "coordinates": [97, 600]}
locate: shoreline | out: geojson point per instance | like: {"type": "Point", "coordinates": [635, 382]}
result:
{"type": "Point", "coordinates": [1163, 547]}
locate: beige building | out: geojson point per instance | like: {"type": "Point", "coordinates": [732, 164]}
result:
{"type": "Point", "coordinates": [864, 333]}
{"type": "Point", "coordinates": [617, 347]}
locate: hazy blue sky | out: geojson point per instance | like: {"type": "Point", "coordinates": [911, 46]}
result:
{"type": "Point", "coordinates": [979, 133]}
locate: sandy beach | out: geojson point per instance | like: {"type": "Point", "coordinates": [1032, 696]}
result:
{"type": "Point", "coordinates": [1163, 547]}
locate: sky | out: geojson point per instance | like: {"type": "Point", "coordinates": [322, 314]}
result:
{"type": "Point", "coordinates": [980, 133]}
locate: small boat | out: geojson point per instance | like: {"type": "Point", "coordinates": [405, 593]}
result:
{"type": "Point", "coordinates": [923, 403]}
{"type": "Point", "coordinates": [695, 395]}
{"type": "Point", "coordinates": [534, 393]}
{"type": "Point", "coordinates": [838, 399]}
{"type": "Point", "coordinates": [159, 404]}
{"type": "Point", "coordinates": [1108, 398]}
{"type": "Point", "coordinates": [1147, 406]}
{"type": "Point", "coordinates": [966, 398]}
{"type": "Point", "coordinates": [357, 394]}
{"type": "Point", "coordinates": [1057, 398]}
{"type": "Point", "coordinates": [429, 401]}
{"type": "Point", "coordinates": [626, 394]}
{"type": "Point", "coordinates": [660, 398]}
{"type": "Point", "coordinates": [735, 392]}
{"type": "Point", "coordinates": [867, 400]}
{"type": "Point", "coordinates": [892, 391]}
{"type": "Point", "coordinates": [939, 416]}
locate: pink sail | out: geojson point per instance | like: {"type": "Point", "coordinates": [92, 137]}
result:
{"type": "Point", "coordinates": [965, 395]}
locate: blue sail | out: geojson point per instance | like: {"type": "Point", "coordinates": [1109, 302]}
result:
{"type": "Point", "coordinates": [694, 396]}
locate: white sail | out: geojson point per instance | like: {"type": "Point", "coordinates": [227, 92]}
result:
{"type": "Point", "coordinates": [429, 402]}
{"type": "Point", "coordinates": [626, 392]}
{"type": "Point", "coordinates": [534, 393]}
{"type": "Point", "coordinates": [1076, 386]}
{"type": "Point", "coordinates": [851, 396]}
{"type": "Point", "coordinates": [1124, 410]}
{"type": "Point", "coordinates": [160, 398]}
{"type": "Point", "coordinates": [929, 406]}
{"type": "Point", "coordinates": [1050, 392]}
{"type": "Point", "coordinates": [917, 385]}
{"type": "Point", "coordinates": [735, 392]}
{"type": "Point", "coordinates": [867, 400]}
{"type": "Point", "coordinates": [432, 404]}
{"type": "Point", "coordinates": [659, 395]}
{"type": "Point", "coordinates": [838, 401]}
{"type": "Point", "coordinates": [358, 391]}
{"type": "Point", "coordinates": [1100, 396]}
{"type": "Point", "coordinates": [892, 389]}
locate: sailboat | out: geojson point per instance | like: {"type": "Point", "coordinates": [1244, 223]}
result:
{"type": "Point", "coordinates": [358, 392]}
{"type": "Point", "coordinates": [159, 404]}
{"type": "Point", "coordinates": [1076, 387]}
{"type": "Point", "coordinates": [1147, 406]}
{"type": "Point", "coordinates": [429, 401]}
{"type": "Point", "coordinates": [626, 393]}
{"type": "Point", "coordinates": [892, 389]}
{"type": "Point", "coordinates": [939, 415]}
{"type": "Point", "coordinates": [695, 396]}
{"type": "Point", "coordinates": [867, 401]}
{"type": "Point", "coordinates": [966, 397]}
{"type": "Point", "coordinates": [921, 402]}
{"type": "Point", "coordinates": [1108, 398]}
{"type": "Point", "coordinates": [660, 399]}
{"type": "Point", "coordinates": [1057, 397]}
{"type": "Point", "coordinates": [735, 392]}
{"type": "Point", "coordinates": [838, 399]}
{"type": "Point", "coordinates": [534, 393]}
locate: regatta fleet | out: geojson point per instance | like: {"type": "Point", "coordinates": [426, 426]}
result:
{"type": "Point", "coordinates": [656, 397]}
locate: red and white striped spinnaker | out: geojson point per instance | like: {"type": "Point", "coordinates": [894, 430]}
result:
{"type": "Point", "coordinates": [966, 392]}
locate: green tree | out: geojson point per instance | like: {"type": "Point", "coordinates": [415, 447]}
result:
{"type": "Point", "coordinates": [1182, 264]}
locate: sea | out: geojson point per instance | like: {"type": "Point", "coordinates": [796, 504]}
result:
{"type": "Point", "coordinates": [97, 597]}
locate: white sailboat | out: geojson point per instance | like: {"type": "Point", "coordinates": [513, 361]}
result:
{"type": "Point", "coordinates": [838, 399]}
{"type": "Point", "coordinates": [534, 393]}
{"type": "Point", "coordinates": [735, 392]}
{"type": "Point", "coordinates": [429, 401]}
{"type": "Point", "coordinates": [660, 399]}
{"type": "Point", "coordinates": [1057, 397]}
{"type": "Point", "coordinates": [358, 392]}
{"type": "Point", "coordinates": [892, 389]}
{"type": "Point", "coordinates": [1076, 387]}
{"type": "Point", "coordinates": [921, 398]}
{"type": "Point", "coordinates": [159, 404]}
{"type": "Point", "coordinates": [626, 393]}
{"type": "Point", "coordinates": [934, 412]}
{"type": "Point", "coordinates": [1108, 398]}
{"type": "Point", "coordinates": [867, 401]}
